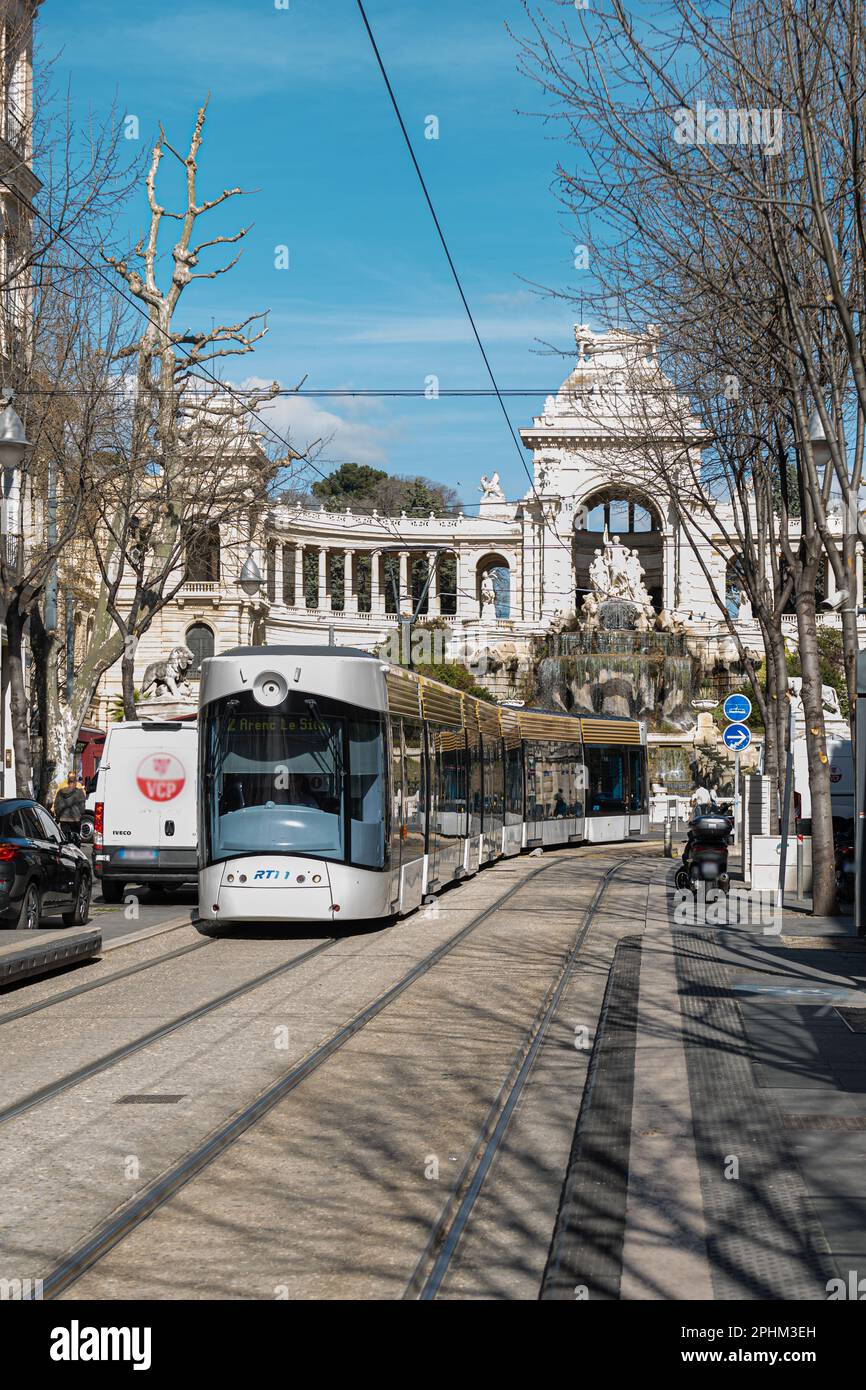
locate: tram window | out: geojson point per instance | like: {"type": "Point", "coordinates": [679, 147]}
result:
{"type": "Point", "coordinates": [450, 750]}
{"type": "Point", "coordinates": [397, 800]}
{"type": "Point", "coordinates": [637, 780]}
{"type": "Point", "coordinates": [415, 789]}
{"type": "Point", "coordinates": [494, 785]}
{"type": "Point", "coordinates": [283, 779]}
{"type": "Point", "coordinates": [513, 785]}
{"type": "Point", "coordinates": [366, 793]}
{"type": "Point", "coordinates": [474, 745]}
{"type": "Point", "coordinates": [606, 778]}
{"type": "Point", "coordinates": [554, 781]}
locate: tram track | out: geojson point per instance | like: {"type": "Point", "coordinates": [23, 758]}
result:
{"type": "Point", "coordinates": [56, 1088]}
{"type": "Point", "coordinates": [437, 1257]}
{"type": "Point", "coordinates": [28, 1009]}
{"type": "Point", "coordinates": [123, 1222]}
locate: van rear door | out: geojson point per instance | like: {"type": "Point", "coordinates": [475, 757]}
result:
{"type": "Point", "coordinates": [176, 765]}
{"type": "Point", "coordinates": [131, 818]}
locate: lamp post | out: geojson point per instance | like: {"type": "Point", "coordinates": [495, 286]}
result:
{"type": "Point", "coordinates": [250, 580]}
{"type": "Point", "coordinates": [13, 440]}
{"type": "Point", "coordinates": [250, 577]}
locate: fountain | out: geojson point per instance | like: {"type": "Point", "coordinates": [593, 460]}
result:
{"type": "Point", "coordinates": [617, 662]}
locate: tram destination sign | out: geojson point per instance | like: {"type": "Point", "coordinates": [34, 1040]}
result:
{"type": "Point", "coordinates": [737, 708]}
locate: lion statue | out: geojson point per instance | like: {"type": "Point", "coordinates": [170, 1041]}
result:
{"type": "Point", "coordinates": [168, 678]}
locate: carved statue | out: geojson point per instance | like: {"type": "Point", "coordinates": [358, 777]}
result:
{"type": "Point", "coordinates": [488, 597]}
{"type": "Point", "coordinates": [168, 678]}
{"type": "Point", "coordinates": [491, 489]}
{"type": "Point", "coordinates": [616, 574]}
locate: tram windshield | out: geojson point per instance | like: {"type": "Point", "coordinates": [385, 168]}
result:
{"type": "Point", "coordinates": [306, 777]}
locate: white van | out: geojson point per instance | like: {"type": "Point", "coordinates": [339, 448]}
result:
{"type": "Point", "coordinates": [144, 806]}
{"type": "Point", "coordinates": [841, 763]}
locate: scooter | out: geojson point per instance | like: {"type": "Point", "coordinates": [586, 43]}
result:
{"type": "Point", "coordinates": [705, 853]}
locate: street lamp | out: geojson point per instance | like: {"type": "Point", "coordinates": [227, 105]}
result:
{"type": "Point", "coordinates": [13, 440]}
{"type": "Point", "coordinates": [821, 450]}
{"type": "Point", "coordinates": [250, 578]}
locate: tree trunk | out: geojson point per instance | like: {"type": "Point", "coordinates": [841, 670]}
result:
{"type": "Point", "coordinates": [776, 653]}
{"type": "Point", "coordinates": [127, 671]}
{"type": "Point", "coordinates": [823, 850]}
{"type": "Point", "coordinates": [20, 707]}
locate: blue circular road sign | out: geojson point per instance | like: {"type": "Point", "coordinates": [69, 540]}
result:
{"type": "Point", "coordinates": [738, 737]}
{"type": "Point", "coordinates": [737, 708]}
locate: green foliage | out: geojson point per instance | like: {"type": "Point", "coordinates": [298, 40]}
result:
{"type": "Point", "coordinates": [453, 674]}
{"type": "Point", "coordinates": [348, 482]}
{"type": "Point", "coordinates": [832, 655]}
{"type": "Point", "coordinates": [364, 489]}
{"type": "Point", "coordinates": [115, 707]}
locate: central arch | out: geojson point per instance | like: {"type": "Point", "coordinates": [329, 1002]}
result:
{"type": "Point", "coordinates": [637, 521]}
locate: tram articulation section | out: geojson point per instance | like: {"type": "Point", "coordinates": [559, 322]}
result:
{"type": "Point", "coordinates": [333, 783]}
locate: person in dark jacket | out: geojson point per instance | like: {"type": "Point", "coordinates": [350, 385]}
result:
{"type": "Point", "coordinates": [69, 804]}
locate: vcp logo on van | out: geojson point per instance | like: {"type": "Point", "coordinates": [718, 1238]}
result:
{"type": "Point", "coordinates": [160, 777]}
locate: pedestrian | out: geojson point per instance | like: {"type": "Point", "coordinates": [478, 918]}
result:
{"type": "Point", "coordinates": [702, 801]}
{"type": "Point", "coordinates": [69, 805]}
{"type": "Point", "coordinates": [560, 808]}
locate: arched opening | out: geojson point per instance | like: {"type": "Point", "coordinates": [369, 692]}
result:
{"type": "Point", "coordinates": [202, 553]}
{"type": "Point", "coordinates": [636, 521]}
{"type": "Point", "coordinates": [493, 586]}
{"type": "Point", "coordinates": [200, 640]}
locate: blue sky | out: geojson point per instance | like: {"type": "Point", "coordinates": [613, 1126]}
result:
{"type": "Point", "coordinates": [299, 113]}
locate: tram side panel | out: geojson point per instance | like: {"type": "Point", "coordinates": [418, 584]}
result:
{"type": "Point", "coordinates": [447, 819]}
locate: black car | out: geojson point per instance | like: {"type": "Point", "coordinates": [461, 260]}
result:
{"type": "Point", "coordinates": [42, 873]}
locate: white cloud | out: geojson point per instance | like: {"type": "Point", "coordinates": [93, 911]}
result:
{"type": "Point", "coordinates": [301, 421]}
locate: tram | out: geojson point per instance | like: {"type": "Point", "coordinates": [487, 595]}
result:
{"type": "Point", "coordinates": [334, 784]}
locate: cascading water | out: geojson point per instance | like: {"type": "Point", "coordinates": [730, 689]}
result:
{"type": "Point", "coordinates": [619, 671]}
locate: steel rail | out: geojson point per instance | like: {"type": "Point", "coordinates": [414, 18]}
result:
{"type": "Point", "coordinates": [110, 1059]}
{"type": "Point", "coordinates": [86, 1255]}
{"type": "Point", "coordinates": [450, 1225]}
{"type": "Point", "coordinates": [65, 994]}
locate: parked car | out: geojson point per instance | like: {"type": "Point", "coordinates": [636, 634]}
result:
{"type": "Point", "coordinates": [42, 872]}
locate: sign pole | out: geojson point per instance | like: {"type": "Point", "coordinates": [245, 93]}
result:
{"type": "Point", "coordinates": [737, 797]}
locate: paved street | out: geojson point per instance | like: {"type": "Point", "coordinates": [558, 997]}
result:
{"type": "Point", "coordinates": [404, 1111]}
{"type": "Point", "coordinates": [149, 910]}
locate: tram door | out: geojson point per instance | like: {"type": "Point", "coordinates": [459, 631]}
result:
{"type": "Point", "coordinates": [408, 813]}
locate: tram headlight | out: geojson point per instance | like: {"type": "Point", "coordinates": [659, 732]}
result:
{"type": "Point", "coordinates": [270, 688]}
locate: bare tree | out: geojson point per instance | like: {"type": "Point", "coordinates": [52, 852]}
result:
{"type": "Point", "coordinates": [182, 460]}
{"type": "Point", "coordinates": [720, 191]}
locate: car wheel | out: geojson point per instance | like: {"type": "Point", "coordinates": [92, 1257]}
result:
{"type": "Point", "coordinates": [28, 917]}
{"type": "Point", "coordinates": [112, 891]}
{"type": "Point", "coordinates": [80, 914]}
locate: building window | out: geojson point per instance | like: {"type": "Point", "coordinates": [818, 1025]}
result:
{"type": "Point", "coordinates": [200, 640]}
{"type": "Point", "coordinates": [202, 554]}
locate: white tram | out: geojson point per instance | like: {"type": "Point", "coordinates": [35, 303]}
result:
{"type": "Point", "coordinates": [332, 783]}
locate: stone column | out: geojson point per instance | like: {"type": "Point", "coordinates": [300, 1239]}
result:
{"type": "Point", "coordinates": [300, 601]}
{"type": "Point", "coordinates": [434, 603]}
{"type": "Point", "coordinates": [350, 597]}
{"type": "Point", "coordinates": [377, 604]}
{"type": "Point", "coordinates": [405, 604]}
{"type": "Point", "coordinates": [278, 573]}
{"type": "Point", "coordinates": [322, 595]}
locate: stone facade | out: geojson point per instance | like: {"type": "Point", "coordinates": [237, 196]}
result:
{"type": "Point", "coordinates": [349, 577]}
